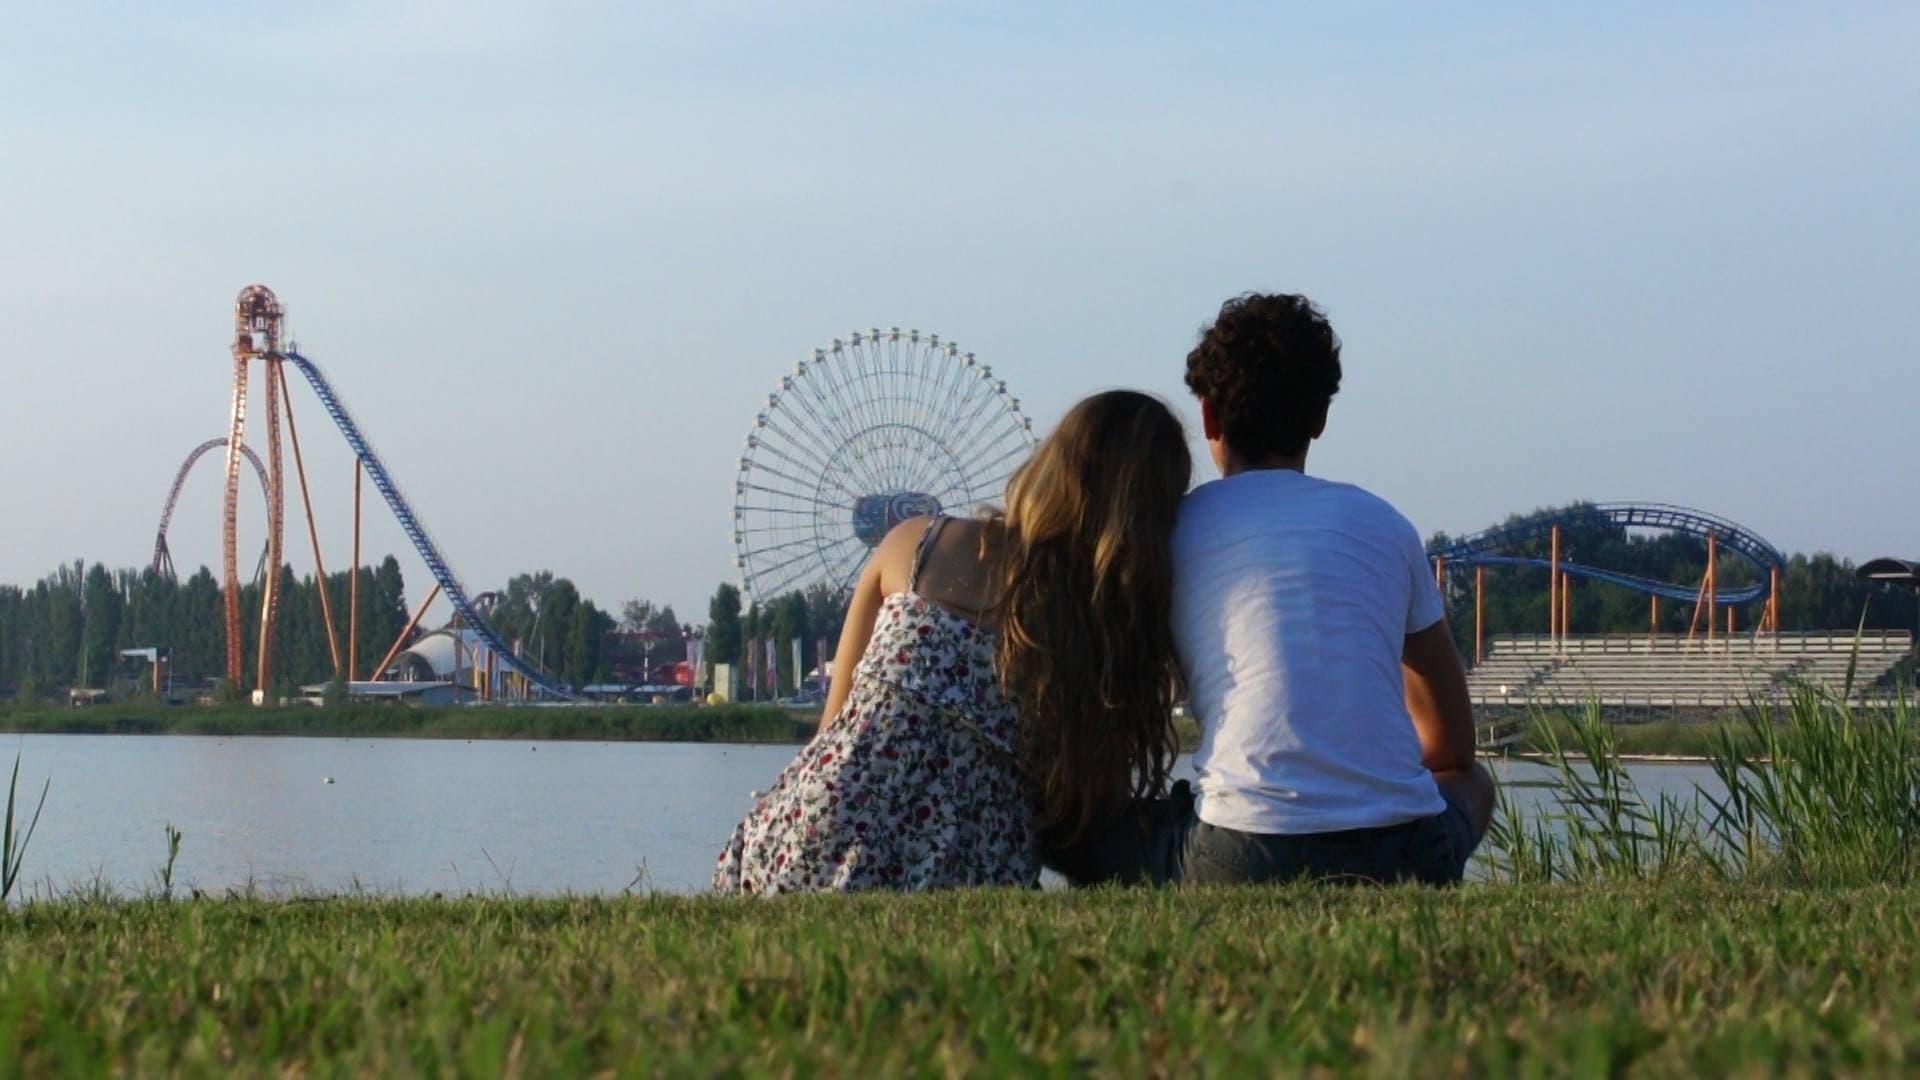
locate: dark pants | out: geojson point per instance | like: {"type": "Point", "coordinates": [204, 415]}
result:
{"type": "Point", "coordinates": [1162, 841]}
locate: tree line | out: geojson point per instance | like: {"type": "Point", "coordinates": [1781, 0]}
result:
{"type": "Point", "coordinates": [813, 618]}
{"type": "Point", "coordinates": [68, 629]}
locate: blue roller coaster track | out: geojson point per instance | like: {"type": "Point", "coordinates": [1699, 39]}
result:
{"type": "Point", "coordinates": [1495, 547]}
{"type": "Point", "coordinates": [416, 532]}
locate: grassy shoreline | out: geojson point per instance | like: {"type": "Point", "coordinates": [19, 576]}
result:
{"type": "Point", "coordinates": [1689, 740]}
{"type": "Point", "coordinates": [1774, 930]}
{"type": "Point", "coordinates": [1535, 979]}
{"type": "Point", "coordinates": [611, 723]}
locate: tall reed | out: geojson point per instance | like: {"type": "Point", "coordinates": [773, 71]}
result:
{"type": "Point", "coordinates": [1827, 793]}
{"type": "Point", "coordinates": [13, 849]}
{"type": "Point", "coordinates": [1600, 826]}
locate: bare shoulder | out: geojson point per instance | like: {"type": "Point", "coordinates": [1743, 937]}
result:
{"type": "Point", "coordinates": [892, 561]}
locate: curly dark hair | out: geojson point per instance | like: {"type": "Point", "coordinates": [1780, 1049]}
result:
{"type": "Point", "coordinates": [1269, 366]}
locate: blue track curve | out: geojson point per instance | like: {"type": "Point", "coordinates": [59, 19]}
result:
{"type": "Point", "coordinates": [1486, 549]}
{"type": "Point", "coordinates": [410, 524]}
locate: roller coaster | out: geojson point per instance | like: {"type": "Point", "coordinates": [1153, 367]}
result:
{"type": "Point", "coordinates": [162, 556]}
{"type": "Point", "coordinates": [1514, 546]}
{"type": "Point", "coordinates": [257, 328]}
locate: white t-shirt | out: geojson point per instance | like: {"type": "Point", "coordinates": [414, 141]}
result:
{"type": "Point", "coordinates": [1292, 601]}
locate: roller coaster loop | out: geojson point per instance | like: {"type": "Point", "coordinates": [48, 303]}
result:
{"type": "Point", "coordinates": [162, 556]}
{"type": "Point", "coordinates": [1496, 547]}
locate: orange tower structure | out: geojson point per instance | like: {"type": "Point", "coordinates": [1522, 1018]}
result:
{"type": "Point", "coordinates": [256, 337]}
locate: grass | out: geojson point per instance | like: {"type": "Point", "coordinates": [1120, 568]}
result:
{"type": "Point", "coordinates": [1775, 928]}
{"type": "Point", "coordinates": [1822, 795]}
{"type": "Point", "coordinates": [613, 723]}
{"type": "Point", "coordinates": [1534, 979]}
{"type": "Point", "coordinates": [14, 840]}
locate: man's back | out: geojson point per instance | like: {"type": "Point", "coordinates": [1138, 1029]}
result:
{"type": "Point", "coordinates": [1293, 598]}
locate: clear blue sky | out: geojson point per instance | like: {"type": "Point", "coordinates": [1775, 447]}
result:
{"type": "Point", "coordinates": [555, 255]}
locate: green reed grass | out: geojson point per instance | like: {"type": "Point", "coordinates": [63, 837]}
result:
{"type": "Point", "coordinates": [1829, 794]}
{"type": "Point", "coordinates": [13, 846]}
{"type": "Point", "coordinates": [1822, 793]}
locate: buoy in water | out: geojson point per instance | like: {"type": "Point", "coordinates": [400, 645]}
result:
{"type": "Point", "coordinates": [329, 780]}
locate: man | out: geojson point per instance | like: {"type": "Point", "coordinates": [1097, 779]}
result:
{"type": "Point", "coordinates": [1337, 737]}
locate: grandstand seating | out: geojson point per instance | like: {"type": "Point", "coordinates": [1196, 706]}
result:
{"type": "Point", "coordinates": [1643, 672]}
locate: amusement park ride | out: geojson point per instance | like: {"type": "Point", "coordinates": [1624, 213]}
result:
{"type": "Point", "coordinates": [1500, 547]}
{"type": "Point", "coordinates": [257, 346]}
{"type": "Point", "coordinates": [870, 430]}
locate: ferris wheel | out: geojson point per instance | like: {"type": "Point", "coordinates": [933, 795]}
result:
{"type": "Point", "coordinates": [869, 431]}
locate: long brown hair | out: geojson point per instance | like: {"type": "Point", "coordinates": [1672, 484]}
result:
{"type": "Point", "coordinates": [1085, 607]}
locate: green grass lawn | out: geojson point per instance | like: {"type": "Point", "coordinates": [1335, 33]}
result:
{"type": "Point", "coordinates": [1587, 980]}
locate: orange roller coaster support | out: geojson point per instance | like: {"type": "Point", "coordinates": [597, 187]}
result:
{"type": "Point", "coordinates": [313, 535]}
{"type": "Point", "coordinates": [407, 634]}
{"type": "Point", "coordinates": [1773, 606]}
{"type": "Point", "coordinates": [353, 585]}
{"type": "Point", "coordinates": [1479, 614]}
{"type": "Point", "coordinates": [256, 336]}
{"type": "Point", "coordinates": [230, 561]}
{"type": "Point", "coordinates": [1553, 590]}
{"type": "Point", "coordinates": [276, 519]}
{"type": "Point", "coordinates": [1713, 584]}
{"type": "Point", "coordinates": [1699, 600]}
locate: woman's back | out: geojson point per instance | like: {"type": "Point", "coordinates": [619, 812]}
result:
{"type": "Point", "coordinates": [912, 783]}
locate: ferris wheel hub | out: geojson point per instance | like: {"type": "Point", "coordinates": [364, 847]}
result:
{"type": "Point", "coordinates": [874, 516]}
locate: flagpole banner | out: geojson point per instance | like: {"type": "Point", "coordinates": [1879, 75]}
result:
{"type": "Point", "coordinates": [799, 672]}
{"type": "Point", "coordinates": [773, 667]}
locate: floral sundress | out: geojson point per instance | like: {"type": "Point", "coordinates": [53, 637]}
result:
{"type": "Point", "coordinates": [914, 786]}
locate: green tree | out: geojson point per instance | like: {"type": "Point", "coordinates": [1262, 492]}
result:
{"type": "Point", "coordinates": [669, 637]}
{"type": "Point", "coordinates": [100, 611]}
{"type": "Point", "coordinates": [725, 634]}
{"type": "Point", "coordinates": [787, 623]}
{"type": "Point", "coordinates": [826, 614]}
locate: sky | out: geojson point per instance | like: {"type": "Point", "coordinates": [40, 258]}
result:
{"type": "Point", "coordinates": [554, 256]}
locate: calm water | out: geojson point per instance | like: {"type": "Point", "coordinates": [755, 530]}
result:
{"type": "Point", "coordinates": [412, 816]}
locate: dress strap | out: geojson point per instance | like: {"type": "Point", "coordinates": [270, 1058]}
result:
{"type": "Point", "coordinates": [927, 540]}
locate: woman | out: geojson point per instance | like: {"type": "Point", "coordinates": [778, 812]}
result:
{"type": "Point", "coordinates": [925, 774]}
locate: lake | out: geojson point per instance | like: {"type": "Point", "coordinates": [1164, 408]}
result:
{"type": "Point", "coordinates": [415, 816]}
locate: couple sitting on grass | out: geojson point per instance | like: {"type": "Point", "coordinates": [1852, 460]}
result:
{"type": "Point", "coordinates": [1012, 704]}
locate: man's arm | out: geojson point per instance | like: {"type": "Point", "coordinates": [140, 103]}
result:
{"type": "Point", "coordinates": [1437, 699]}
